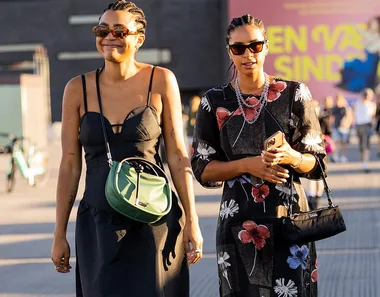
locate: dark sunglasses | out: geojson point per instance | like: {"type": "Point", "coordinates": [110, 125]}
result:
{"type": "Point", "coordinates": [254, 47]}
{"type": "Point", "coordinates": [119, 32]}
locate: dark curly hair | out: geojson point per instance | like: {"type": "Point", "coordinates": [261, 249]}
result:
{"type": "Point", "coordinates": [130, 7]}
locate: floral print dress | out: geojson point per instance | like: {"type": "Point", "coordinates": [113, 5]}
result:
{"type": "Point", "coordinates": [252, 258]}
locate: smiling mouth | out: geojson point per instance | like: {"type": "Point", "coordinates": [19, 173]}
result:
{"type": "Point", "coordinates": [111, 45]}
{"type": "Point", "coordinates": [249, 63]}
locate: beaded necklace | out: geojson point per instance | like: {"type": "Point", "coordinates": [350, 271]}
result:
{"type": "Point", "coordinates": [261, 102]}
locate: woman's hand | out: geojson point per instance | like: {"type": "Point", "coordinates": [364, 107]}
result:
{"type": "Point", "coordinates": [60, 255]}
{"type": "Point", "coordinates": [192, 240]}
{"type": "Point", "coordinates": [274, 174]}
{"type": "Point", "coordinates": [284, 155]}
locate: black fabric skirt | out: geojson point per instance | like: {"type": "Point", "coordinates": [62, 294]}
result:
{"type": "Point", "coordinates": [118, 257]}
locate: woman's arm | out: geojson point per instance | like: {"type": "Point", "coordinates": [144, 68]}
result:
{"type": "Point", "coordinates": [309, 145]}
{"type": "Point", "coordinates": [177, 157]}
{"type": "Point", "coordinates": [302, 163]}
{"type": "Point", "coordinates": [223, 171]}
{"type": "Point", "coordinates": [69, 173]}
{"type": "Point", "coordinates": [71, 161]}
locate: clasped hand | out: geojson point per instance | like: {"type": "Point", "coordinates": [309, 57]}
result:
{"type": "Point", "coordinates": [282, 155]}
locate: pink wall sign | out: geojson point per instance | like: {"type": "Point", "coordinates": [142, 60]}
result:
{"type": "Point", "coordinates": [332, 46]}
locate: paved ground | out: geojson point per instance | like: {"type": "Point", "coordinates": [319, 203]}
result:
{"type": "Point", "coordinates": [348, 263]}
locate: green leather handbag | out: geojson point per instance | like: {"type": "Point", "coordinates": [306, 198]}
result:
{"type": "Point", "coordinates": [139, 190]}
{"type": "Point", "coordinates": [135, 187]}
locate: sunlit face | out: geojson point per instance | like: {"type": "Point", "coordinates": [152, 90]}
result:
{"type": "Point", "coordinates": [329, 102]}
{"type": "Point", "coordinates": [374, 26]}
{"type": "Point", "coordinates": [248, 63]}
{"type": "Point", "coordinates": [368, 94]}
{"type": "Point", "coordinates": [341, 101]}
{"type": "Point", "coordinates": [114, 49]}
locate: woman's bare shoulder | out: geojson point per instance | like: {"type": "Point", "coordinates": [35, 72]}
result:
{"type": "Point", "coordinates": [164, 75]}
{"type": "Point", "coordinates": [74, 88]}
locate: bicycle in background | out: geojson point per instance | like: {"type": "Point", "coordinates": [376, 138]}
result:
{"type": "Point", "coordinates": [32, 165]}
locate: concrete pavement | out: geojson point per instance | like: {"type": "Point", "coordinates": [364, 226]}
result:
{"type": "Point", "coordinates": [348, 263]}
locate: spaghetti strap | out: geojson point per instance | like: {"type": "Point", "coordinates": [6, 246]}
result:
{"type": "Point", "coordinates": [150, 87]}
{"type": "Point", "coordinates": [84, 92]}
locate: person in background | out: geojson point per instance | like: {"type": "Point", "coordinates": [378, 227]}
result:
{"type": "Point", "coordinates": [365, 111]}
{"type": "Point", "coordinates": [194, 102]}
{"type": "Point", "coordinates": [328, 104]}
{"type": "Point", "coordinates": [316, 187]}
{"type": "Point", "coordinates": [377, 129]}
{"type": "Point", "coordinates": [117, 256]}
{"type": "Point", "coordinates": [185, 121]}
{"type": "Point", "coordinates": [233, 122]}
{"type": "Point", "coordinates": [326, 121]}
{"type": "Point", "coordinates": [343, 118]}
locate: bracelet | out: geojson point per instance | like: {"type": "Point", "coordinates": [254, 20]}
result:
{"type": "Point", "coordinates": [299, 163]}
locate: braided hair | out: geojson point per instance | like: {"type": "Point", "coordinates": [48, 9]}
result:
{"type": "Point", "coordinates": [237, 22]}
{"type": "Point", "coordinates": [130, 7]}
{"type": "Point", "coordinates": [246, 19]}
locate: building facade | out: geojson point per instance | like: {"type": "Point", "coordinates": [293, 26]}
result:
{"type": "Point", "coordinates": [186, 36]}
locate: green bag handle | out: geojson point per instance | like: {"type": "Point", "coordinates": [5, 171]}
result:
{"type": "Point", "coordinates": [136, 163]}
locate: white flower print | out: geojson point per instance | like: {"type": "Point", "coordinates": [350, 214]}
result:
{"type": "Point", "coordinates": [222, 260]}
{"type": "Point", "coordinates": [284, 190]}
{"type": "Point", "coordinates": [313, 142]}
{"type": "Point", "coordinates": [303, 93]}
{"type": "Point", "coordinates": [223, 264]}
{"type": "Point", "coordinates": [204, 151]}
{"type": "Point", "coordinates": [205, 104]}
{"type": "Point", "coordinates": [288, 290]}
{"type": "Point", "coordinates": [229, 210]}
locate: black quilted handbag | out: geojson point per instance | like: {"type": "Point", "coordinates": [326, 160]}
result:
{"type": "Point", "coordinates": [313, 225]}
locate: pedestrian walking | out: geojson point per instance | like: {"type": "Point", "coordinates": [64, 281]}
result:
{"type": "Point", "coordinates": [192, 114]}
{"type": "Point", "coordinates": [118, 256]}
{"type": "Point", "coordinates": [365, 111]}
{"type": "Point", "coordinates": [377, 125]}
{"type": "Point", "coordinates": [343, 119]}
{"type": "Point", "coordinates": [233, 121]}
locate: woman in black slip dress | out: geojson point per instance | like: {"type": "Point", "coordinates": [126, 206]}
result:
{"type": "Point", "coordinates": [116, 256]}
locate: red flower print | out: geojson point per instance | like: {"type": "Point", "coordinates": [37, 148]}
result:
{"type": "Point", "coordinates": [275, 89]}
{"type": "Point", "coordinates": [254, 233]}
{"type": "Point", "coordinates": [251, 112]}
{"type": "Point", "coordinates": [314, 273]}
{"type": "Point", "coordinates": [223, 114]}
{"type": "Point", "coordinates": [192, 152]}
{"type": "Point", "coordinates": [259, 194]}
{"type": "Point", "coordinates": [252, 100]}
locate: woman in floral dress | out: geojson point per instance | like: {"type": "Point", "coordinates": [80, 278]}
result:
{"type": "Point", "coordinates": [232, 123]}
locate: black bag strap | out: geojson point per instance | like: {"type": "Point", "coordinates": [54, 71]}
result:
{"type": "Point", "coordinates": [107, 145]}
{"type": "Point", "coordinates": [325, 185]}
{"type": "Point", "coordinates": [291, 132]}
{"type": "Point", "coordinates": [108, 150]}
{"type": "Point", "coordinates": [319, 164]}
{"type": "Point", "coordinates": [150, 87]}
{"type": "Point", "coordinates": [84, 93]}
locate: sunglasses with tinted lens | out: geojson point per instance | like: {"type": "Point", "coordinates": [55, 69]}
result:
{"type": "Point", "coordinates": [254, 47]}
{"type": "Point", "coordinates": [119, 32]}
